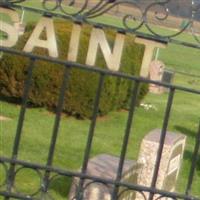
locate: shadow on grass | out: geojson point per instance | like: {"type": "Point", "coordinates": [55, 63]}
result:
{"type": "Point", "coordinates": [10, 99]}
{"type": "Point", "coordinates": [188, 155]}
{"type": "Point", "coordinates": [17, 101]}
{"type": "Point", "coordinates": [61, 185]}
{"type": "Point", "coordinates": [188, 132]}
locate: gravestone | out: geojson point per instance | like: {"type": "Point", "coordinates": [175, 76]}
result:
{"type": "Point", "coordinates": [105, 166]}
{"type": "Point", "coordinates": [168, 77]}
{"type": "Point", "coordinates": [170, 162]}
{"type": "Point", "coordinates": [156, 71]}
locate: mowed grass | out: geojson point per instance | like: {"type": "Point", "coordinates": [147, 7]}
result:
{"type": "Point", "coordinates": [38, 126]}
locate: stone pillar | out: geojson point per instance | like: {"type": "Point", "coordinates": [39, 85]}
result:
{"type": "Point", "coordinates": [150, 45]}
{"type": "Point", "coordinates": [170, 163]}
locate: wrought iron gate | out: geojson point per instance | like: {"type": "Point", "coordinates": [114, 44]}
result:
{"type": "Point", "coordinates": [84, 13]}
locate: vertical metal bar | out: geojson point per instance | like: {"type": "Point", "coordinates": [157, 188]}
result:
{"type": "Point", "coordinates": [27, 87]}
{"type": "Point", "coordinates": [194, 163]}
{"type": "Point", "coordinates": [91, 133]}
{"type": "Point", "coordinates": [56, 125]}
{"type": "Point", "coordinates": [162, 139]}
{"type": "Point", "coordinates": [23, 109]}
{"type": "Point", "coordinates": [126, 137]}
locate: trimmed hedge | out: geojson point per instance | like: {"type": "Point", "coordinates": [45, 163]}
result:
{"type": "Point", "coordinates": [80, 95]}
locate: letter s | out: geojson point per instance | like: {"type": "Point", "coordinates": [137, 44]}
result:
{"type": "Point", "coordinates": [10, 30]}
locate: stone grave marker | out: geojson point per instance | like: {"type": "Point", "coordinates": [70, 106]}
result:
{"type": "Point", "coordinates": [105, 166]}
{"type": "Point", "coordinates": [168, 76]}
{"type": "Point", "coordinates": [170, 162]}
{"type": "Point", "coordinates": [156, 71]}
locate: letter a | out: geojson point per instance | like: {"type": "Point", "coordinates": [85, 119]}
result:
{"type": "Point", "coordinates": [46, 24]}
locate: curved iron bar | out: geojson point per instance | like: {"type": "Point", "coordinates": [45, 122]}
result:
{"type": "Point", "coordinates": [5, 167]}
{"type": "Point", "coordinates": [127, 189]}
{"type": "Point", "coordinates": [166, 14]}
{"type": "Point", "coordinates": [195, 36]}
{"type": "Point", "coordinates": [108, 6]}
{"type": "Point", "coordinates": [87, 185]}
{"type": "Point", "coordinates": [47, 193]}
{"type": "Point", "coordinates": [80, 11]}
{"type": "Point", "coordinates": [127, 17]}
{"type": "Point", "coordinates": [95, 8]}
{"type": "Point", "coordinates": [46, 196]}
{"type": "Point", "coordinates": [45, 5]}
{"type": "Point", "coordinates": [162, 196]}
{"type": "Point", "coordinates": [53, 177]}
{"type": "Point", "coordinates": [95, 182]}
{"type": "Point", "coordinates": [56, 176]}
{"type": "Point", "coordinates": [39, 175]}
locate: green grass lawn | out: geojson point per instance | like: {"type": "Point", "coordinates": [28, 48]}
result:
{"type": "Point", "coordinates": [109, 130]}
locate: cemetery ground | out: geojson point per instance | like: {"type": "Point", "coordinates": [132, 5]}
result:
{"type": "Point", "coordinates": [109, 129]}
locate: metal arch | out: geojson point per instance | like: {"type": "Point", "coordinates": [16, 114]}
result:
{"type": "Point", "coordinates": [163, 196]}
{"type": "Point", "coordinates": [129, 190]}
{"type": "Point", "coordinates": [166, 15]}
{"type": "Point", "coordinates": [5, 168]}
{"type": "Point", "coordinates": [86, 12]}
{"type": "Point", "coordinates": [37, 172]}
{"type": "Point", "coordinates": [86, 186]}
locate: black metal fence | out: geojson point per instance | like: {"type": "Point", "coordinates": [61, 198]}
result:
{"type": "Point", "coordinates": [12, 166]}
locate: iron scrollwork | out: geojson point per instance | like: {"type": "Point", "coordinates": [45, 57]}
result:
{"type": "Point", "coordinates": [132, 22]}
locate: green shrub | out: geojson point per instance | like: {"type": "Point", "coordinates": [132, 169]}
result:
{"type": "Point", "coordinates": [80, 95]}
